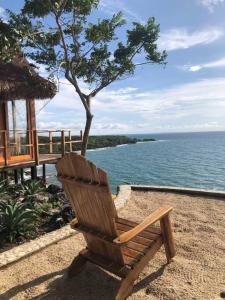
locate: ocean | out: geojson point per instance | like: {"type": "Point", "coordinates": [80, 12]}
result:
{"type": "Point", "coordinates": [177, 159]}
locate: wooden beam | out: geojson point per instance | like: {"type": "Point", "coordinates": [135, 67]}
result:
{"type": "Point", "coordinates": [50, 142]}
{"type": "Point", "coordinates": [6, 148]}
{"type": "Point", "coordinates": [22, 175]}
{"type": "Point", "coordinates": [70, 139]}
{"type": "Point", "coordinates": [36, 147]}
{"type": "Point", "coordinates": [5, 176]}
{"type": "Point", "coordinates": [63, 142]}
{"type": "Point", "coordinates": [33, 171]}
{"type": "Point", "coordinates": [15, 126]}
{"type": "Point", "coordinates": [31, 124]}
{"type": "Point", "coordinates": [44, 173]}
{"type": "Point", "coordinates": [16, 178]}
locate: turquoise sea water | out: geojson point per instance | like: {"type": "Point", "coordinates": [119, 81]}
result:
{"type": "Point", "coordinates": [181, 159]}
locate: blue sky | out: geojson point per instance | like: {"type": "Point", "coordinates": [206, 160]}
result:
{"type": "Point", "coordinates": [187, 95]}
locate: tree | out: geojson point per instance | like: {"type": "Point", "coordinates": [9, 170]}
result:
{"type": "Point", "coordinates": [9, 42]}
{"type": "Point", "coordinates": [60, 35]}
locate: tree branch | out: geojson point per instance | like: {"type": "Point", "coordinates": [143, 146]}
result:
{"type": "Point", "coordinates": [97, 90]}
{"type": "Point", "coordinates": [82, 96]}
{"type": "Point", "coordinates": [145, 63]}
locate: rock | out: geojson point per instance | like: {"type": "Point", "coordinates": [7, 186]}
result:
{"type": "Point", "coordinates": [222, 294]}
{"type": "Point", "coordinates": [148, 291]}
{"type": "Point", "coordinates": [67, 213]}
{"type": "Point", "coordinates": [20, 200]}
{"type": "Point", "coordinates": [53, 189]}
{"type": "Point", "coordinates": [60, 197]}
{"type": "Point", "coordinates": [37, 198]}
{"type": "Point", "coordinates": [53, 212]}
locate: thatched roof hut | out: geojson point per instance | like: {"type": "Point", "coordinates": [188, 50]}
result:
{"type": "Point", "coordinates": [18, 80]}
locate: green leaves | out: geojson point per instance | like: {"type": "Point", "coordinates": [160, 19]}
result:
{"type": "Point", "coordinates": [83, 50]}
{"type": "Point", "coordinates": [41, 8]}
{"type": "Point", "coordinates": [104, 30]}
{"type": "Point", "coordinates": [32, 187]}
{"type": "Point", "coordinates": [143, 38]}
{"type": "Point", "coordinates": [15, 220]}
{"type": "Point", "coordinates": [9, 42]}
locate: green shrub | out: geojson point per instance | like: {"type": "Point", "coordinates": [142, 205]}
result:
{"type": "Point", "coordinates": [2, 187]}
{"type": "Point", "coordinates": [42, 208]}
{"type": "Point", "coordinates": [15, 221]}
{"type": "Point", "coordinates": [32, 187]}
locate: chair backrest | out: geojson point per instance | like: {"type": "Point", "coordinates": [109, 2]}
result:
{"type": "Point", "coordinates": [87, 188]}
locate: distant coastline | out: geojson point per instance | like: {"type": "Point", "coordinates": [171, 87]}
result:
{"type": "Point", "coordinates": [96, 142]}
{"type": "Point", "coordinates": [108, 141]}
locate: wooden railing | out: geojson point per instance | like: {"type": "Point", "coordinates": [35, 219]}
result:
{"type": "Point", "coordinates": [29, 144]}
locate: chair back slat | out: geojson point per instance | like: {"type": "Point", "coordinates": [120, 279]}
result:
{"type": "Point", "coordinates": [88, 190]}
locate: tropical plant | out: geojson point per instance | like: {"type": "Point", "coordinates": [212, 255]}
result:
{"type": "Point", "coordinates": [15, 221]}
{"type": "Point", "coordinates": [2, 187]}
{"type": "Point", "coordinates": [43, 208]}
{"type": "Point", "coordinates": [32, 187]}
{"type": "Point", "coordinates": [59, 34]}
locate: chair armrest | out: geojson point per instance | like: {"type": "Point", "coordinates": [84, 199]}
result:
{"type": "Point", "coordinates": [151, 219]}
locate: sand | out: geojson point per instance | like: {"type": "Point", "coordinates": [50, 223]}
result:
{"type": "Point", "coordinates": [197, 272]}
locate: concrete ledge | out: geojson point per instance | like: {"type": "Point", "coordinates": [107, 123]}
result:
{"type": "Point", "coordinates": [29, 248]}
{"type": "Point", "coordinates": [180, 190]}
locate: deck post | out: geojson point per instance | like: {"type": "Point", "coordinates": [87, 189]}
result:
{"type": "Point", "coordinates": [5, 148]}
{"type": "Point", "coordinates": [44, 173]}
{"type": "Point", "coordinates": [6, 178]}
{"type": "Point", "coordinates": [22, 175]}
{"type": "Point", "coordinates": [70, 140]}
{"type": "Point", "coordinates": [50, 142]}
{"type": "Point", "coordinates": [36, 148]}
{"type": "Point", "coordinates": [33, 172]}
{"type": "Point", "coordinates": [16, 176]}
{"type": "Point", "coordinates": [63, 143]}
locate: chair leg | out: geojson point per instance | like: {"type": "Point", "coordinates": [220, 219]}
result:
{"type": "Point", "coordinates": [127, 283]}
{"type": "Point", "coordinates": [125, 289]}
{"type": "Point", "coordinates": [168, 240]}
{"type": "Point", "coordinates": [76, 266]}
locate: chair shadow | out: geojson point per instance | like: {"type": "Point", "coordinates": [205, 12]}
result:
{"type": "Point", "coordinates": [91, 284]}
{"type": "Point", "coordinates": [20, 288]}
{"type": "Point", "coordinates": [148, 279]}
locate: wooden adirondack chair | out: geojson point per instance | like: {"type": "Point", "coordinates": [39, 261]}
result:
{"type": "Point", "coordinates": [117, 245]}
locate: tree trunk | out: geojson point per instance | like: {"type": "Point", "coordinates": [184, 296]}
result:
{"type": "Point", "coordinates": [89, 118]}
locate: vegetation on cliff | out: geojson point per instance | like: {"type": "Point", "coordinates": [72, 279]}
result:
{"type": "Point", "coordinates": [94, 142]}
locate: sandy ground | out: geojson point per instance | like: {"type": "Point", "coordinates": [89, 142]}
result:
{"type": "Point", "coordinates": [198, 270]}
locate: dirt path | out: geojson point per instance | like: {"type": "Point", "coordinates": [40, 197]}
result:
{"type": "Point", "coordinates": [198, 271]}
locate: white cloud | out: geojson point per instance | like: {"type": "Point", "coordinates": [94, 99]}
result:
{"type": "Point", "coordinates": [195, 106]}
{"type": "Point", "coordinates": [2, 10]}
{"type": "Point", "coordinates": [181, 98]}
{"type": "Point", "coordinates": [177, 38]}
{"type": "Point", "coordinates": [113, 6]}
{"type": "Point", "coordinates": [2, 13]}
{"type": "Point", "coordinates": [220, 63]}
{"type": "Point", "coordinates": [211, 4]}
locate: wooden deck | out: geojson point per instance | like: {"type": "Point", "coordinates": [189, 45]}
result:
{"type": "Point", "coordinates": [43, 159]}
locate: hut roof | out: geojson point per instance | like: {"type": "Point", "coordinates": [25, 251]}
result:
{"type": "Point", "coordinates": [18, 80]}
